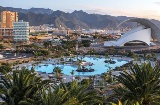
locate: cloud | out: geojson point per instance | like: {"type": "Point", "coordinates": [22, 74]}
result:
{"type": "Point", "coordinates": [103, 10]}
{"type": "Point", "coordinates": [98, 11]}
{"type": "Point", "coordinates": [158, 3]}
{"type": "Point", "coordinates": [151, 14]}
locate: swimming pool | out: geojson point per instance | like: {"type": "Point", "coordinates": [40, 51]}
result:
{"type": "Point", "coordinates": [99, 66]}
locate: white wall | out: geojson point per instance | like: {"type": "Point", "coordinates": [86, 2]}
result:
{"type": "Point", "coordinates": [21, 31]}
{"type": "Point", "coordinates": [142, 35]}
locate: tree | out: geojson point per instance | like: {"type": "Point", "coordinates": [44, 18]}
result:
{"type": "Point", "coordinates": [36, 55]}
{"type": "Point", "coordinates": [35, 39]}
{"type": "Point", "coordinates": [144, 56]}
{"type": "Point", "coordinates": [46, 44]}
{"type": "Point", "coordinates": [141, 84]}
{"type": "Point", "coordinates": [1, 47]}
{"type": "Point", "coordinates": [32, 69]}
{"type": "Point", "coordinates": [85, 82]}
{"type": "Point", "coordinates": [21, 88]}
{"type": "Point", "coordinates": [84, 95]}
{"type": "Point", "coordinates": [56, 97]}
{"type": "Point", "coordinates": [104, 77]}
{"type": "Point", "coordinates": [134, 56]}
{"type": "Point", "coordinates": [126, 102]}
{"type": "Point", "coordinates": [86, 43]}
{"type": "Point", "coordinates": [74, 94]}
{"type": "Point", "coordinates": [58, 72]}
{"type": "Point", "coordinates": [79, 64]}
{"type": "Point", "coordinates": [5, 69]}
{"type": "Point", "coordinates": [153, 55]}
{"type": "Point", "coordinates": [72, 73]}
{"type": "Point", "coordinates": [78, 78]}
{"type": "Point", "coordinates": [106, 55]}
{"type": "Point", "coordinates": [148, 57]}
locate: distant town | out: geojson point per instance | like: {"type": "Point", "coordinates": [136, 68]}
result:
{"type": "Point", "coordinates": [55, 65]}
{"type": "Point", "coordinates": [9, 30]}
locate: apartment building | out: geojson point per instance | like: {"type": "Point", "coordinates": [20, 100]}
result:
{"type": "Point", "coordinates": [21, 31]}
{"type": "Point", "coordinates": [7, 18]}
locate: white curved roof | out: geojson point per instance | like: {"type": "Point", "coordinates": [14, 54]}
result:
{"type": "Point", "coordinates": [146, 32]}
{"type": "Point", "coordinates": [142, 35]}
{"type": "Point", "coordinates": [155, 31]}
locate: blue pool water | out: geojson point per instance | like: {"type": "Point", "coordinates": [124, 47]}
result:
{"type": "Point", "coordinates": [99, 66]}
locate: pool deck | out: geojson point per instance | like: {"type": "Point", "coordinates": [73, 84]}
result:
{"type": "Point", "coordinates": [57, 60]}
{"type": "Point", "coordinates": [65, 78]}
{"type": "Point", "coordinates": [68, 78]}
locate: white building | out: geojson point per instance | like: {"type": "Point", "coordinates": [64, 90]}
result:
{"type": "Point", "coordinates": [1, 56]}
{"type": "Point", "coordinates": [21, 31]}
{"type": "Point", "coordinates": [146, 32]}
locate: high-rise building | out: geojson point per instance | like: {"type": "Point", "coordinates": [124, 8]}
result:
{"type": "Point", "coordinates": [7, 19]}
{"type": "Point", "coordinates": [21, 31]}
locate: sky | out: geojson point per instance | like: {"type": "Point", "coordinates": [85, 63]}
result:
{"type": "Point", "coordinates": [133, 8]}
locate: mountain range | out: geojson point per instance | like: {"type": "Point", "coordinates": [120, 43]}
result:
{"type": "Point", "coordinates": [74, 20]}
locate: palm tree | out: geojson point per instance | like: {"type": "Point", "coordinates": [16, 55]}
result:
{"type": "Point", "coordinates": [153, 55]}
{"type": "Point", "coordinates": [144, 56]}
{"type": "Point", "coordinates": [104, 76]}
{"type": "Point", "coordinates": [58, 72]}
{"type": "Point", "coordinates": [126, 102]}
{"type": "Point", "coordinates": [35, 39]}
{"type": "Point", "coordinates": [46, 44]}
{"type": "Point", "coordinates": [56, 97]}
{"type": "Point", "coordinates": [106, 55]}
{"type": "Point", "coordinates": [134, 56]}
{"type": "Point", "coordinates": [110, 78]}
{"type": "Point", "coordinates": [141, 84]}
{"type": "Point", "coordinates": [21, 87]}
{"type": "Point", "coordinates": [72, 73]}
{"type": "Point", "coordinates": [32, 69]}
{"type": "Point", "coordinates": [78, 78]}
{"type": "Point", "coordinates": [79, 64]}
{"type": "Point", "coordinates": [1, 47]}
{"type": "Point", "coordinates": [73, 95]}
{"type": "Point", "coordinates": [5, 69]}
{"type": "Point", "coordinates": [84, 95]}
{"type": "Point", "coordinates": [90, 77]}
{"type": "Point", "coordinates": [148, 57]}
